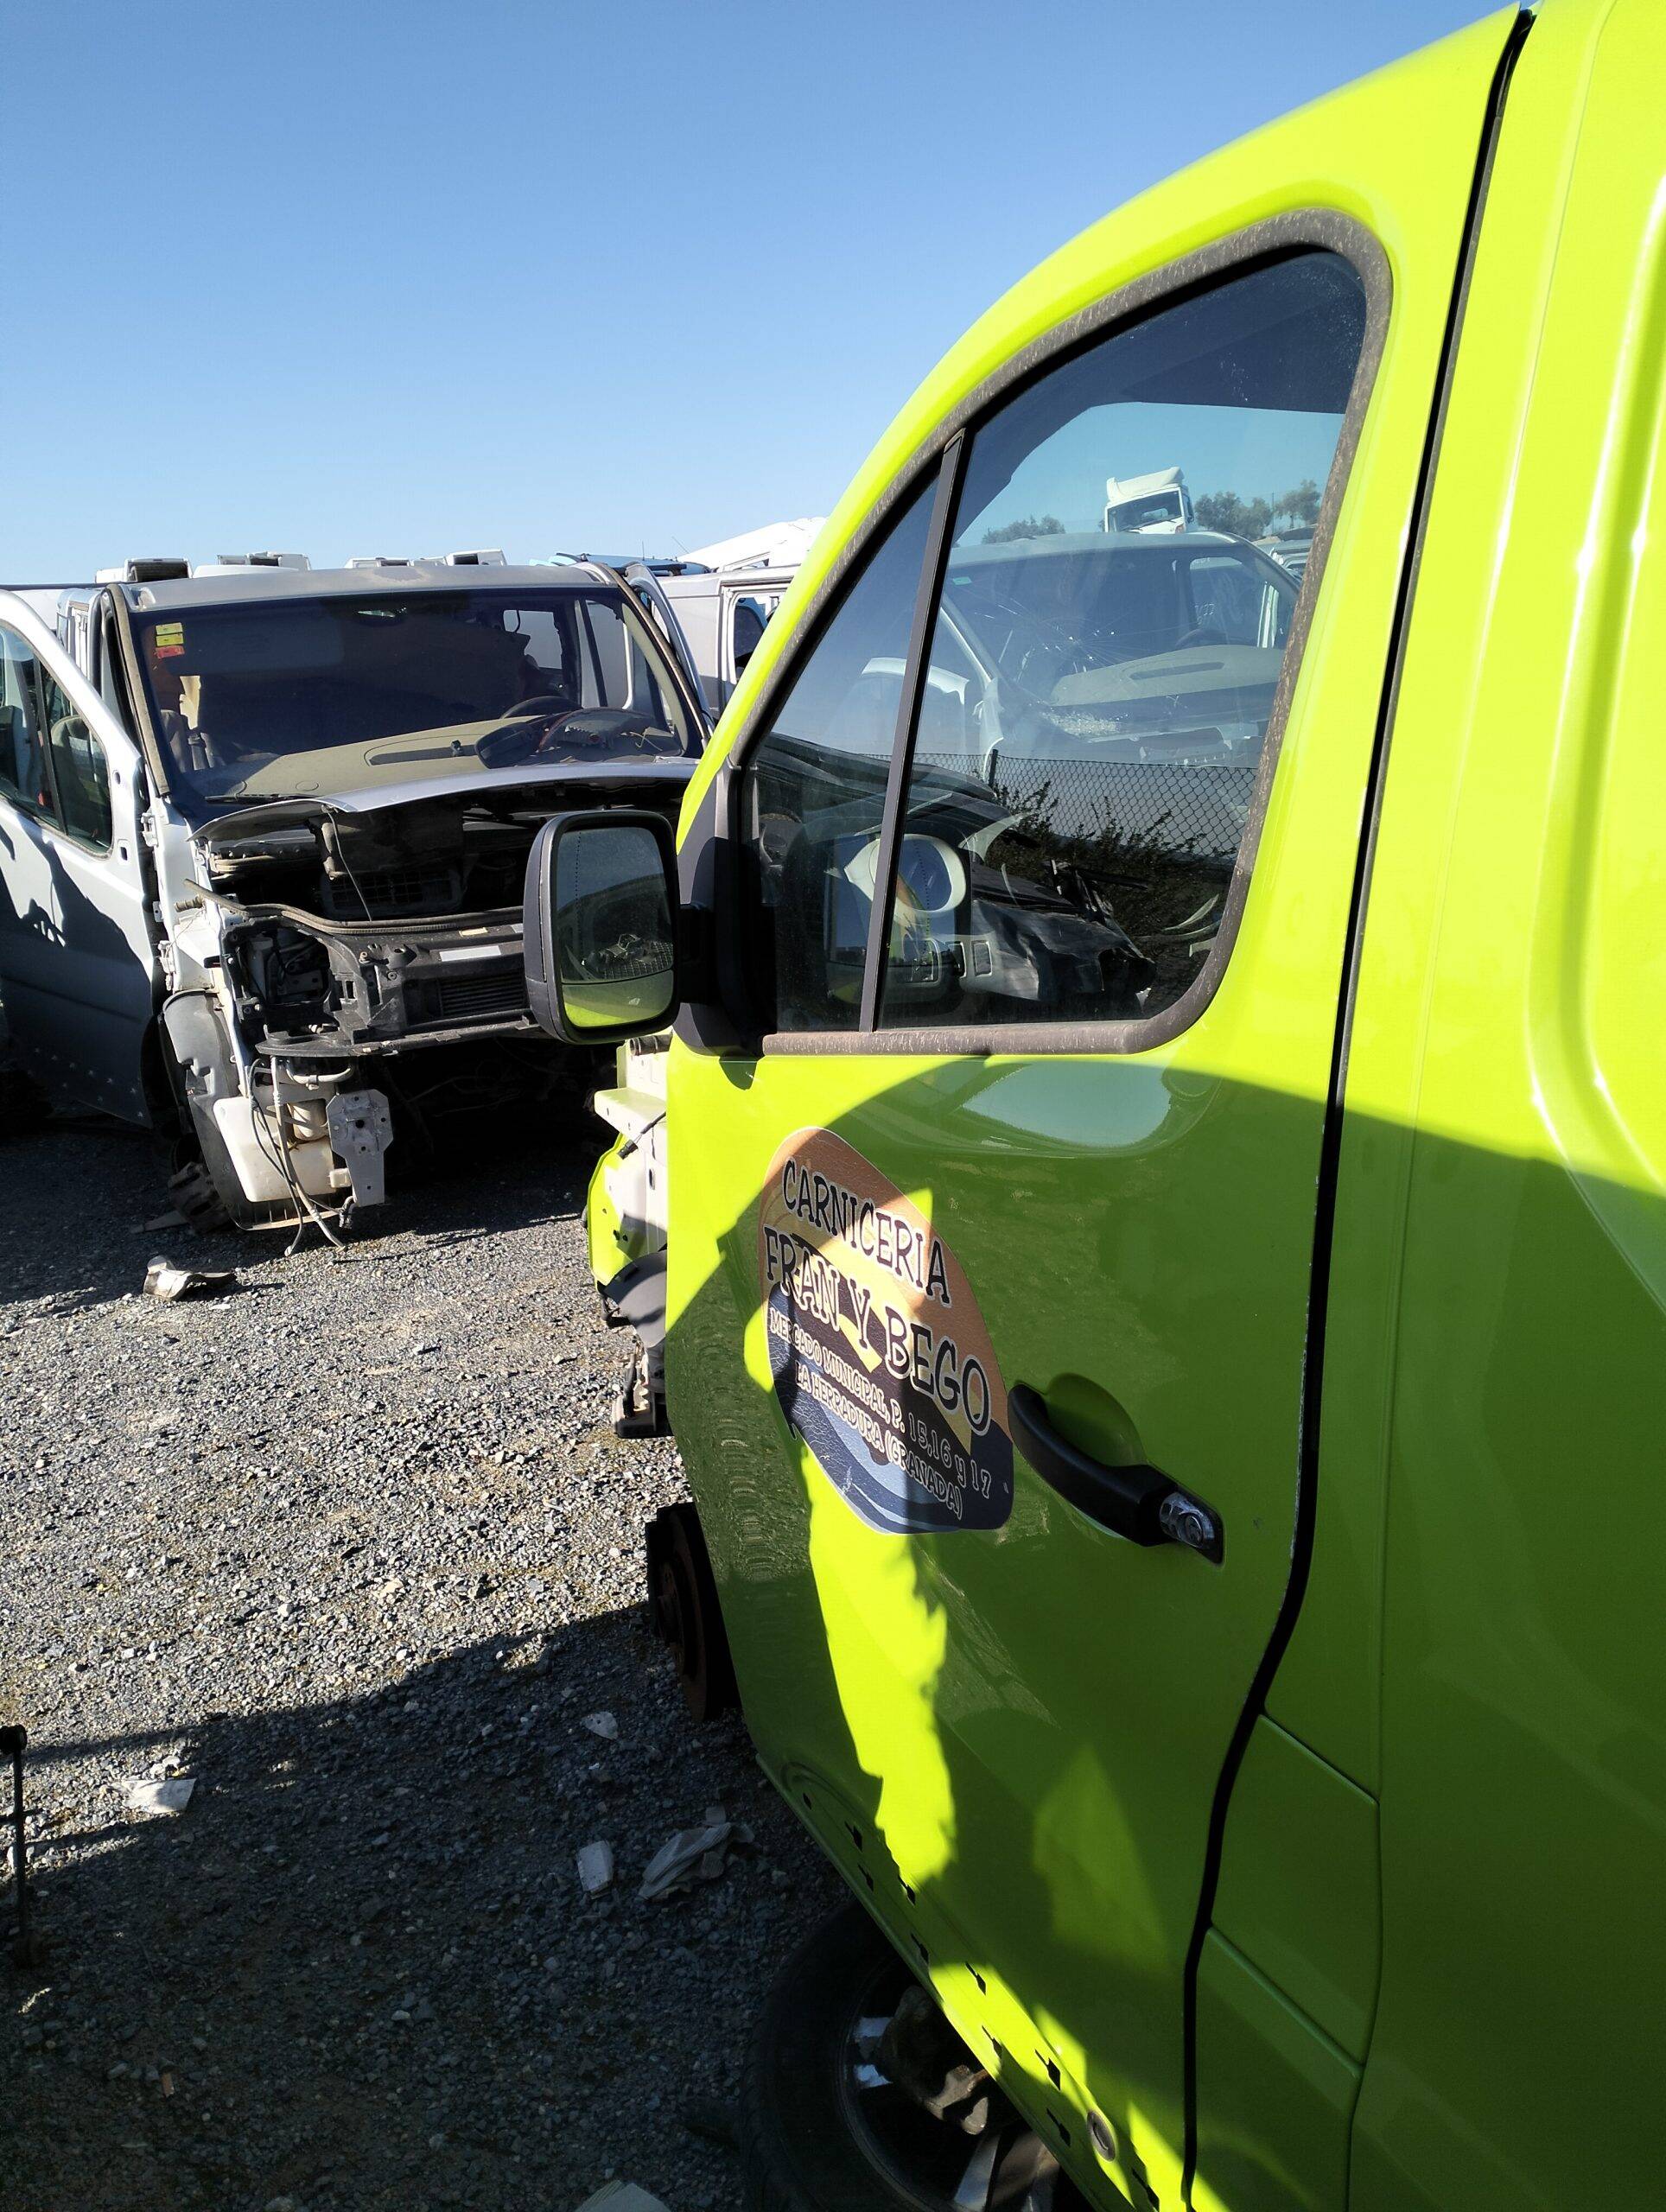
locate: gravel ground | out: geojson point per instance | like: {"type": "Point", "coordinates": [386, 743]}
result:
{"type": "Point", "coordinates": [355, 1548]}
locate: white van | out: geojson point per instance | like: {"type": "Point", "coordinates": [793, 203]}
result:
{"type": "Point", "coordinates": [263, 837]}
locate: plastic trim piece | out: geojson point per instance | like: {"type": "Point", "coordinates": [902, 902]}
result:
{"type": "Point", "coordinates": [635, 1298]}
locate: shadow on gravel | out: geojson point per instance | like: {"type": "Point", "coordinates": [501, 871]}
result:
{"type": "Point", "coordinates": [359, 1970]}
{"type": "Point", "coordinates": [73, 1202]}
{"type": "Point", "coordinates": [75, 1197]}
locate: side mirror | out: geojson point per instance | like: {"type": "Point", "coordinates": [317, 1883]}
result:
{"type": "Point", "coordinates": [600, 926]}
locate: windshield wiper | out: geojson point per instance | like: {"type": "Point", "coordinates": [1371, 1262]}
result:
{"type": "Point", "coordinates": [233, 801]}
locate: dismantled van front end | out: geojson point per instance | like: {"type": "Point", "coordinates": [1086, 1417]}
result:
{"type": "Point", "coordinates": [337, 777]}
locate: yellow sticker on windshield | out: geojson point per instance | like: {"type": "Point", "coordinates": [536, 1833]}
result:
{"type": "Point", "coordinates": [170, 639]}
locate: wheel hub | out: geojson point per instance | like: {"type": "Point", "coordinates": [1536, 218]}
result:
{"type": "Point", "coordinates": [930, 2119]}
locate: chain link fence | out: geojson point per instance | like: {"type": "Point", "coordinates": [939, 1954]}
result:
{"type": "Point", "coordinates": [1156, 841]}
{"type": "Point", "coordinates": [1194, 808]}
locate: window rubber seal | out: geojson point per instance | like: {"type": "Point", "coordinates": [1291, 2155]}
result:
{"type": "Point", "coordinates": [950, 471]}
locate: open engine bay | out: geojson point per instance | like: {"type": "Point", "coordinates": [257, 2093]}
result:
{"type": "Point", "coordinates": [332, 942]}
{"type": "Point", "coordinates": [347, 932]}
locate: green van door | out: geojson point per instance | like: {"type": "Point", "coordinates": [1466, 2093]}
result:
{"type": "Point", "coordinates": [1482, 1644]}
{"type": "Point", "coordinates": [996, 1180]}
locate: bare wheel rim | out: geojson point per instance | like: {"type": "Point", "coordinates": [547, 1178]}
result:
{"type": "Point", "coordinates": [932, 2162]}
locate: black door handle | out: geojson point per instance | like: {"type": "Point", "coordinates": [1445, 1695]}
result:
{"type": "Point", "coordinates": [1140, 1502]}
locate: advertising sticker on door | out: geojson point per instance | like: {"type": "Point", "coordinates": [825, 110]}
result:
{"type": "Point", "coordinates": [880, 1359]}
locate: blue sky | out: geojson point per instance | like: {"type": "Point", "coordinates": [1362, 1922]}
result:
{"type": "Point", "coordinates": [1261, 453]}
{"type": "Point", "coordinates": [396, 276]}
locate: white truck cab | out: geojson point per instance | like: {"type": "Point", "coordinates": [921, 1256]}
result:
{"type": "Point", "coordinates": [1155, 505]}
{"type": "Point", "coordinates": [723, 617]}
{"type": "Point", "coordinates": [724, 594]}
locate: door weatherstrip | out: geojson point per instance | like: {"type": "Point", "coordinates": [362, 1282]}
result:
{"type": "Point", "coordinates": [943, 501]}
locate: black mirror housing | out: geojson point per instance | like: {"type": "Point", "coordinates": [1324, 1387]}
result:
{"type": "Point", "coordinates": [599, 926]}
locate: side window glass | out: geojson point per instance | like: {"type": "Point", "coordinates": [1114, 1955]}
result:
{"type": "Point", "coordinates": [545, 669]}
{"type": "Point", "coordinates": [78, 769]}
{"type": "Point", "coordinates": [1103, 669]}
{"type": "Point", "coordinates": [624, 674]}
{"type": "Point", "coordinates": [814, 791]}
{"type": "Point", "coordinates": [23, 757]}
{"type": "Point", "coordinates": [747, 627]}
{"type": "Point", "coordinates": [608, 679]}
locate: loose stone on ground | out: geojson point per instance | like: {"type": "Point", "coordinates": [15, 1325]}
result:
{"type": "Point", "coordinates": [356, 1552]}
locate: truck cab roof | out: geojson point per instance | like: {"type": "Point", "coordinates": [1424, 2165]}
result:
{"type": "Point", "coordinates": [255, 584]}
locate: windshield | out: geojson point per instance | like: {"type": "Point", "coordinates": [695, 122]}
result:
{"type": "Point", "coordinates": [255, 699]}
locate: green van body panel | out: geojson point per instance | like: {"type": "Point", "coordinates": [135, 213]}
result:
{"type": "Point", "coordinates": [1509, 1039]}
{"type": "Point", "coordinates": [1298, 1890]}
{"type": "Point", "coordinates": [1431, 1973]}
{"type": "Point", "coordinates": [1273, 2135]}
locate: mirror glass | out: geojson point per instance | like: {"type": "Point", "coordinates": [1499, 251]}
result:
{"type": "Point", "coordinates": [612, 927]}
